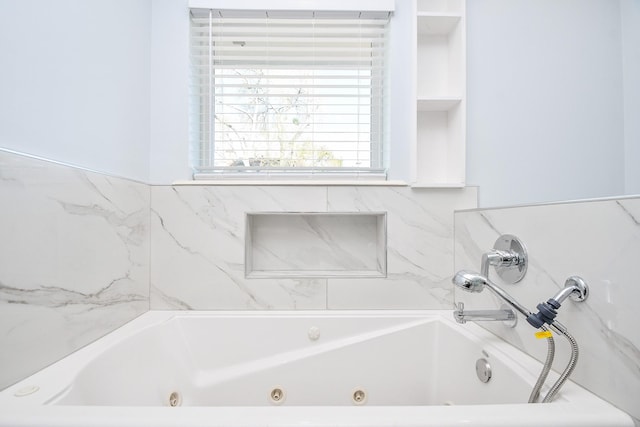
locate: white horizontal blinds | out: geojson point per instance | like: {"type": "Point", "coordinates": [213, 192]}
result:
{"type": "Point", "coordinates": [288, 94]}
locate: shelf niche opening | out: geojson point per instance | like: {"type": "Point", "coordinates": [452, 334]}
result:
{"type": "Point", "coordinates": [315, 245]}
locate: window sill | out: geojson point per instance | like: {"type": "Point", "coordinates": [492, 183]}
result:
{"type": "Point", "coordinates": [293, 182]}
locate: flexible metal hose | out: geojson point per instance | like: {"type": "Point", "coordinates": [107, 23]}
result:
{"type": "Point", "coordinates": [570, 366]}
{"type": "Point", "coordinates": [551, 351]}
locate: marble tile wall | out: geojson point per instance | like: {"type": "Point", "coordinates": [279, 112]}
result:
{"type": "Point", "coordinates": [78, 247]}
{"type": "Point", "coordinates": [83, 253]}
{"type": "Point", "coordinates": [74, 260]}
{"type": "Point", "coordinates": [198, 237]}
{"type": "Point", "coordinates": [597, 240]}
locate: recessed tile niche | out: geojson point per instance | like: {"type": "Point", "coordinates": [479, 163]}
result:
{"type": "Point", "coordinates": [288, 244]}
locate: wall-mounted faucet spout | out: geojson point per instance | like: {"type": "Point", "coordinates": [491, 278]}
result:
{"type": "Point", "coordinates": [505, 314]}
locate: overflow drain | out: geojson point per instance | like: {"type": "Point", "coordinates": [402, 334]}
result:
{"type": "Point", "coordinates": [277, 396]}
{"type": "Point", "coordinates": [359, 397]}
{"type": "Point", "coordinates": [175, 399]}
{"type": "Point", "coordinates": [483, 370]}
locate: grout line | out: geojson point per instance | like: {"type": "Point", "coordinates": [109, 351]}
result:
{"type": "Point", "coordinates": [326, 282]}
{"type": "Point", "coordinates": [149, 266]}
{"type": "Point", "coordinates": [326, 294]}
{"type": "Point", "coordinates": [326, 199]}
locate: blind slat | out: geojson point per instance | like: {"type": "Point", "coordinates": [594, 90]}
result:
{"type": "Point", "coordinates": [288, 95]}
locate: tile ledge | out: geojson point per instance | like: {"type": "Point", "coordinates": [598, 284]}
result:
{"type": "Point", "coordinates": [337, 183]}
{"type": "Point", "coordinates": [315, 274]}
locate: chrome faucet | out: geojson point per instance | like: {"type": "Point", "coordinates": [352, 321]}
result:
{"type": "Point", "coordinates": [474, 282]}
{"type": "Point", "coordinates": [508, 256]}
{"type": "Point", "coordinates": [498, 258]}
{"type": "Point", "coordinates": [504, 314]}
{"type": "Point", "coordinates": [575, 288]}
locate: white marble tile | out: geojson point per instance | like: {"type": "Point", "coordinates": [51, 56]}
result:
{"type": "Point", "coordinates": [419, 246]}
{"type": "Point", "coordinates": [198, 237]}
{"type": "Point", "coordinates": [599, 241]}
{"type": "Point", "coordinates": [198, 247]}
{"type": "Point", "coordinates": [73, 260]}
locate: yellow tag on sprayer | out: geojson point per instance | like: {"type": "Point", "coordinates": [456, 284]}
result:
{"type": "Point", "coordinates": [543, 334]}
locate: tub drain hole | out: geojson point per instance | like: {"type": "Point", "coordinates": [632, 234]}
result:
{"type": "Point", "coordinates": [175, 399]}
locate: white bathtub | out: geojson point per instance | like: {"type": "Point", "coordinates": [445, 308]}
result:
{"type": "Point", "coordinates": [364, 368]}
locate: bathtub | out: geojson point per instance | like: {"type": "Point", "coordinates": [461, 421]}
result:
{"type": "Point", "coordinates": [342, 368]}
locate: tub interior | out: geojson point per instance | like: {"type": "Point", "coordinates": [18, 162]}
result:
{"type": "Point", "coordinates": [301, 361]}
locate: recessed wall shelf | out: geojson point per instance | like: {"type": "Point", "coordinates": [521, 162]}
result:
{"type": "Point", "coordinates": [440, 88]}
{"type": "Point", "coordinates": [437, 104]}
{"type": "Point", "coordinates": [315, 244]}
{"type": "Point", "coordinates": [436, 23]}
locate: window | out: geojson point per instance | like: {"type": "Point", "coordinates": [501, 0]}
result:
{"type": "Point", "coordinates": [284, 95]}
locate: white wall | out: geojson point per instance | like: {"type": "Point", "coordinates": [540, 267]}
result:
{"type": "Point", "coordinates": [403, 69]}
{"type": "Point", "coordinates": [169, 151]}
{"type": "Point", "coordinates": [545, 110]}
{"type": "Point", "coordinates": [630, 13]}
{"type": "Point", "coordinates": [545, 92]}
{"type": "Point", "coordinates": [545, 89]}
{"type": "Point", "coordinates": [74, 82]}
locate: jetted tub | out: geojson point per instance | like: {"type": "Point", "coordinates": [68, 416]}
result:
{"type": "Point", "coordinates": [364, 368]}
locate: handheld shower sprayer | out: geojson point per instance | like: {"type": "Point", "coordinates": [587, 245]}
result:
{"type": "Point", "coordinates": [474, 282]}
